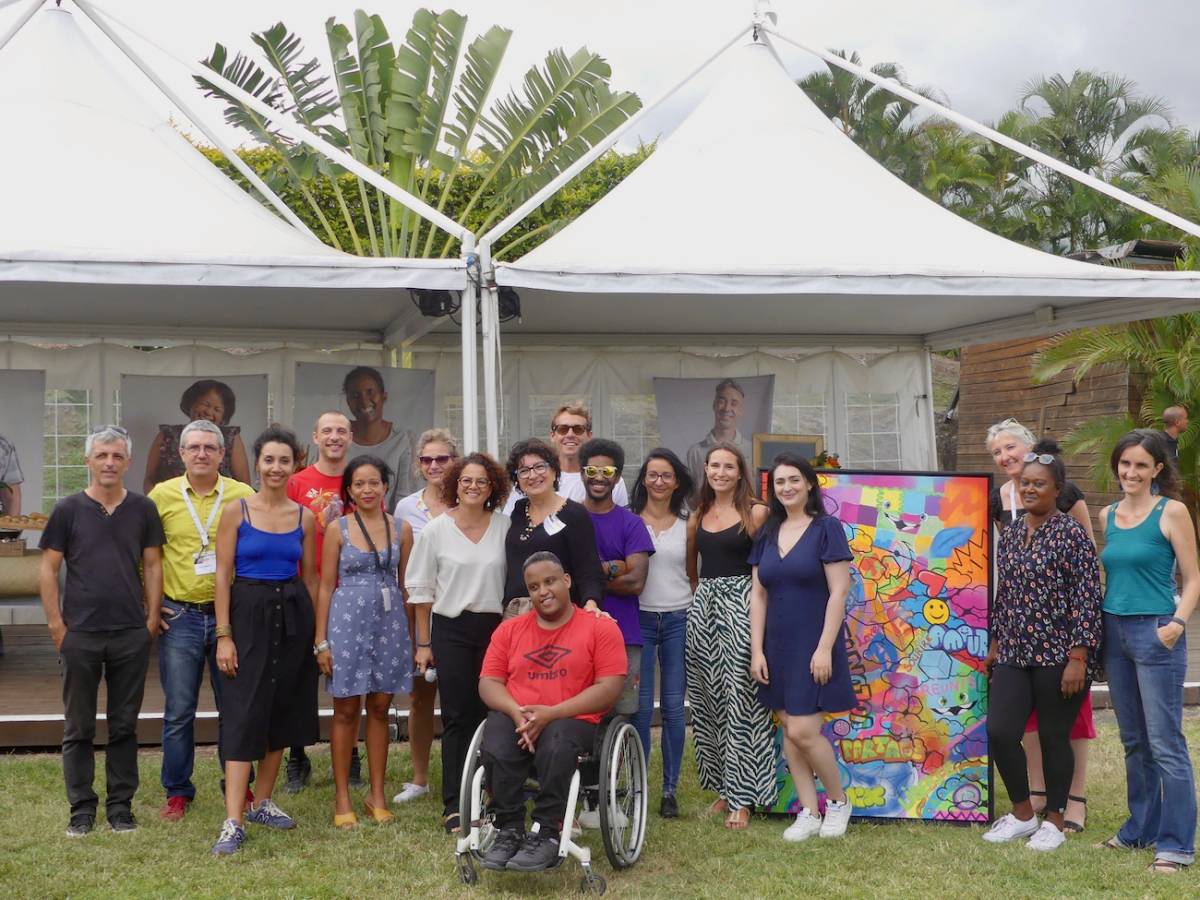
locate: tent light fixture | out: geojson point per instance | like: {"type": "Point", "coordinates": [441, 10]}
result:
{"type": "Point", "coordinates": [435, 304]}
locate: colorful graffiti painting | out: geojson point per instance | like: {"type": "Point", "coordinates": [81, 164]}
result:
{"type": "Point", "coordinates": [917, 617]}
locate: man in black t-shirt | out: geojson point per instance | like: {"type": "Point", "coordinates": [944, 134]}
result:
{"type": "Point", "coordinates": [103, 623]}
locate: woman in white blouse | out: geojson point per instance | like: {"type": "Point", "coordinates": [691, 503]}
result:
{"type": "Point", "coordinates": [660, 498]}
{"type": "Point", "coordinates": [455, 579]}
{"type": "Point", "coordinates": [436, 449]}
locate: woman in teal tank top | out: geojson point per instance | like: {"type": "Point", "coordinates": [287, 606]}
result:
{"type": "Point", "coordinates": [1147, 535]}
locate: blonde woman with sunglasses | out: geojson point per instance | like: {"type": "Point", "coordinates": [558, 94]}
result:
{"type": "Point", "coordinates": [1010, 444]}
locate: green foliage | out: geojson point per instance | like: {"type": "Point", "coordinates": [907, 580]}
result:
{"type": "Point", "coordinates": [418, 113]}
{"type": "Point", "coordinates": [1167, 350]}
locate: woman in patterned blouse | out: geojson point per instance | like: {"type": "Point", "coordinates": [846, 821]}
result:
{"type": "Point", "coordinates": [1045, 639]}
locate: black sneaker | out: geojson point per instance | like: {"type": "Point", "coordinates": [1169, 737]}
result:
{"type": "Point", "coordinates": [540, 851]}
{"type": "Point", "coordinates": [670, 807]}
{"type": "Point", "coordinates": [81, 824]}
{"type": "Point", "coordinates": [122, 821]}
{"type": "Point", "coordinates": [299, 771]}
{"type": "Point", "coordinates": [504, 848]}
{"type": "Point", "coordinates": [356, 770]}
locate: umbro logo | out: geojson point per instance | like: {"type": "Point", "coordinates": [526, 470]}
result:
{"type": "Point", "coordinates": [548, 657]}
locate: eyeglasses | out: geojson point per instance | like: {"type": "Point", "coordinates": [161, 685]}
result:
{"type": "Point", "coordinates": [1044, 458]}
{"type": "Point", "coordinates": [561, 430]}
{"type": "Point", "coordinates": [473, 482]}
{"type": "Point", "coordinates": [198, 449]}
{"type": "Point", "coordinates": [593, 471]}
{"type": "Point", "coordinates": [536, 469]}
{"type": "Point", "coordinates": [430, 460]}
{"type": "Point", "coordinates": [117, 428]}
{"type": "Point", "coordinates": [664, 477]}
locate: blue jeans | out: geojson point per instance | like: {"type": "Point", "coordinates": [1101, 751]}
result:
{"type": "Point", "coordinates": [663, 637]}
{"type": "Point", "coordinates": [183, 649]}
{"type": "Point", "coordinates": [1145, 681]}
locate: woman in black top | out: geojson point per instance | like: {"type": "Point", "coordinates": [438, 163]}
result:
{"type": "Point", "coordinates": [735, 740]}
{"type": "Point", "coordinates": [543, 520]}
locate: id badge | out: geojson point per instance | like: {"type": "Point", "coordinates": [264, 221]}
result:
{"type": "Point", "coordinates": [387, 598]}
{"type": "Point", "coordinates": [553, 524]}
{"type": "Point", "coordinates": [206, 562]}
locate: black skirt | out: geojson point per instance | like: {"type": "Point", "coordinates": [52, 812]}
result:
{"type": "Point", "coordinates": [272, 702]}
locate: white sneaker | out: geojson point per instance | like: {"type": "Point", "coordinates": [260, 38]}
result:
{"type": "Point", "coordinates": [410, 791]}
{"type": "Point", "coordinates": [837, 817]}
{"type": "Point", "coordinates": [1046, 838]}
{"type": "Point", "coordinates": [1009, 828]}
{"type": "Point", "coordinates": [589, 818]}
{"type": "Point", "coordinates": [805, 826]}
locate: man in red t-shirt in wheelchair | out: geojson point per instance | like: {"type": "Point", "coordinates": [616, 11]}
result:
{"type": "Point", "coordinates": [549, 675]}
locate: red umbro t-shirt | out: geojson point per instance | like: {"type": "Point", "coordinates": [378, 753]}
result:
{"type": "Point", "coordinates": [547, 666]}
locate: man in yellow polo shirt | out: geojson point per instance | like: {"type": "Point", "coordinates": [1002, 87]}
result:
{"type": "Point", "coordinates": [190, 509]}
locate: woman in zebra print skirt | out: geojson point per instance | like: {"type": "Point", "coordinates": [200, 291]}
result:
{"type": "Point", "coordinates": [734, 734]}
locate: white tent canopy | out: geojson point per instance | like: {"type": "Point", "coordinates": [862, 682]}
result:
{"type": "Point", "coordinates": [759, 216]}
{"type": "Point", "coordinates": [113, 220]}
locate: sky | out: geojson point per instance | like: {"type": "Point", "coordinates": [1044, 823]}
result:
{"type": "Point", "coordinates": [978, 52]}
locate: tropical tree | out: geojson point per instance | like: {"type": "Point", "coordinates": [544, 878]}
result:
{"type": "Point", "coordinates": [422, 115]}
{"type": "Point", "coordinates": [1167, 350]}
{"type": "Point", "coordinates": [1091, 121]}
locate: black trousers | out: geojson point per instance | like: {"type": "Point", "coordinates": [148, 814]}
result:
{"type": "Point", "coordinates": [1015, 693]}
{"type": "Point", "coordinates": [554, 762]}
{"type": "Point", "coordinates": [459, 645]}
{"type": "Point", "coordinates": [121, 658]}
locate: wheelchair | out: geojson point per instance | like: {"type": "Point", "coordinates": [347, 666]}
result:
{"type": "Point", "coordinates": [613, 772]}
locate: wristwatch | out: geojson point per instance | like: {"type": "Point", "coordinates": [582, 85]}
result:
{"type": "Point", "coordinates": [320, 648]}
{"type": "Point", "coordinates": [614, 569]}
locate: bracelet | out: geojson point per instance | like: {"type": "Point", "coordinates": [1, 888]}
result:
{"type": "Point", "coordinates": [1077, 658]}
{"type": "Point", "coordinates": [321, 648]}
{"type": "Point", "coordinates": [224, 631]}
{"type": "Point", "coordinates": [419, 644]}
{"type": "Point", "coordinates": [1182, 623]}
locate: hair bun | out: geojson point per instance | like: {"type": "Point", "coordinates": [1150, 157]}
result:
{"type": "Point", "coordinates": [1047, 445]}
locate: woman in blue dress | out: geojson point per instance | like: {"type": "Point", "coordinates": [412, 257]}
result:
{"type": "Point", "coordinates": [797, 637]}
{"type": "Point", "coordinates": [362, 629]}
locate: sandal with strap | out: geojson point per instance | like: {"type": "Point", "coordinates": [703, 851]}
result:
{"type": "Point", "coordinates": [451, 824]}
{"type": "Point", "coordinates": [1113, 843]}
{"type": "Point", "coordinates": [738, 819]}
{"type": "Point", "coordinates": [1076, 827]}
{"type": "Point", "coordinates": [1042, 794]}
{"type": "Point", "coordinates": [1166, 865]}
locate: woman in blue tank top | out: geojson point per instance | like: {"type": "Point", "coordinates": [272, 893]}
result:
{"type": "Point", "coordinates": [1147, 535]}
{"type": "Point", "coordinates": [266, 576]}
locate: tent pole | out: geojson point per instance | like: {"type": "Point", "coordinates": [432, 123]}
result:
{"type": "Point", "coordinates": [20, 23]}
{"type": "Point", "coordinates": [514, 218]}
{"type": "Point", "coordinates": [300, 133]}
{"type": "Point", "coordinates": [931, 417]}
{"type": "Point", "coordinates": [249, 174]}
{"type": "Point", "coordinates": [1004, 140]}
{"type": "Point", "coordinates": [470, 391]}
{"type": "Point", "coordinates": [488, 302]}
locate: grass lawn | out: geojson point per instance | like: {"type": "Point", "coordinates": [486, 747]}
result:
{"type": "Point", "coordinates": [693, 856]}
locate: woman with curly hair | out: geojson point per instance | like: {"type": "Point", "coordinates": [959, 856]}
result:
{"type": "Point", "coordinates": [455, 579]}
{"type": "Point", "coordinates": [206, 400]}
{"type": "Point", "coordinates": [735, 740]}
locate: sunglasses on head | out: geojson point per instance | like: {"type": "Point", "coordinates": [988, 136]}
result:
{"type": "Point", "coordinates": [117, 428]}
{"type": "Point", "coordinates": [567, 429]}
{"type": "Point", "coordinates": [593, 471]}
{"type": "Point", "coordinates": [1044, 458]}
{"type": "Point", "coordinates": [430, 460]}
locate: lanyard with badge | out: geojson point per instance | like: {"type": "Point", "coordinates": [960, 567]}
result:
{"type": "Point", "coordinates": [382, 567]}
{"type": "Point", "coordinates": [205, 561]}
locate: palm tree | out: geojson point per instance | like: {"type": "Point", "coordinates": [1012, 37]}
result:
{"type": "Point", "coordinates": [421, 114]}
{"type": "Point", "coordinates": [1167, 350]}
{"type": "Point", "coordinates": [1090, 121]}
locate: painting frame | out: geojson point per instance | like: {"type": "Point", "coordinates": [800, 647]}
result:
{"type": "Point", "coordinates": [915, 748]}
{"type": "Point", "coordinates": [765, 446]}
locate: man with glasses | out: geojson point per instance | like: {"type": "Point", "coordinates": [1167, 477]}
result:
{"type": "Point", "coordinates": [625, 546]}
{"type": "Point", "coordinates": [190, 508]}
{"type": "Point", "coordinates": [319, 487]}
{"type": "Point", "coordinates": [102, 623]}
{"type": "Point", "coordinates": [569, 429]}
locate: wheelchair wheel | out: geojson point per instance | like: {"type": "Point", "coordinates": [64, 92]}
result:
{"type": "Point", "coordinates": [623, 790]}
{"type": "Point", "coordinates": [471, 765]}
{"type": "Point", "coordinates": [593, 884]}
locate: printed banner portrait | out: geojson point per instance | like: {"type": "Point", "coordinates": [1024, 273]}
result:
{"type": "Point", "coordinates": [22, 426]}
{"type": "Point", "coordinates": [388, 409]}
{"type": "Point", "coordinates": [695, 413]}
{"type": "Point", "coordinates": [154, 409]}
{"type": "Point", "coordinates": [917, 619]}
